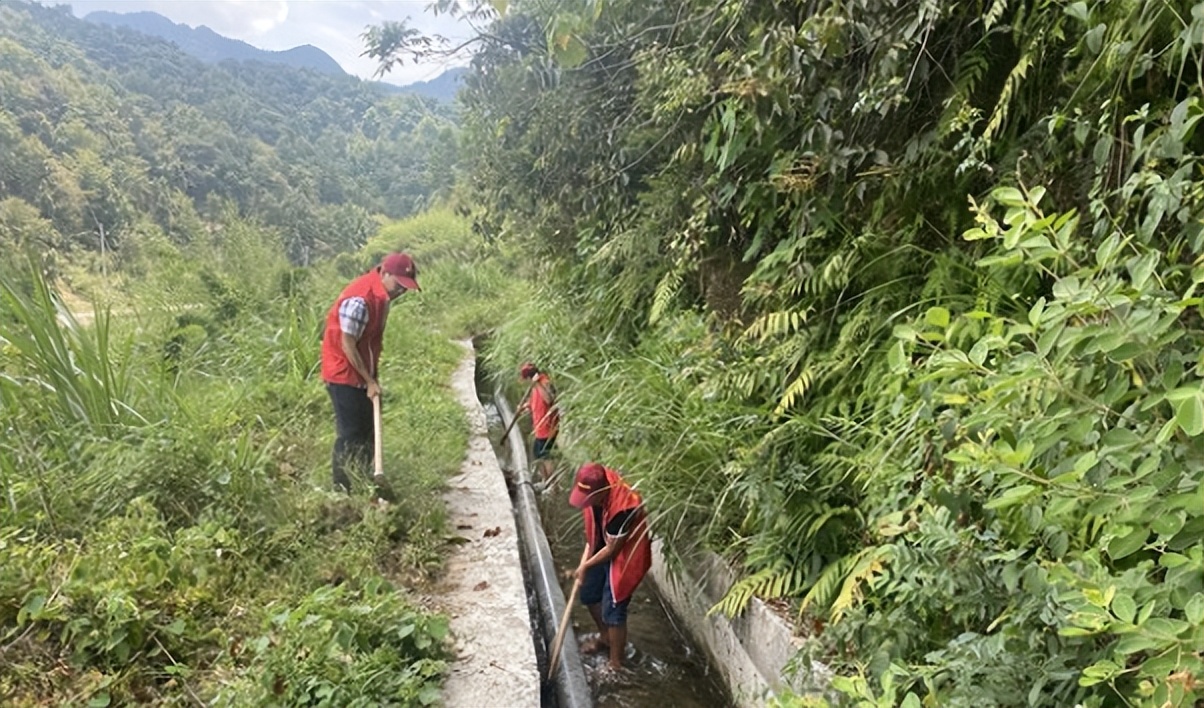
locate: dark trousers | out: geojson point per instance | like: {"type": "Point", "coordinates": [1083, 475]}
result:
{"type": "Point", "coordinates": [354, 433]}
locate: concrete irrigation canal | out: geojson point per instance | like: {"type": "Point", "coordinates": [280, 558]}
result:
{"type": "Point", "coordinates": [505, 593]}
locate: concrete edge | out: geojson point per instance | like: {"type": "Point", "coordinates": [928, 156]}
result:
{"type": "Point", "coordinates": [753, 651]}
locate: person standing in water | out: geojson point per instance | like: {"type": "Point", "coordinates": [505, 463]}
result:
{"type": "Point", "coordinates": [545, 418]}
{"type": "Point", "coordinates": [618, 553]}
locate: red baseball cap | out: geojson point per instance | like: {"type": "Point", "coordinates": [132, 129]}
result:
{"type": "Point", "coordinates": [401, 266]}
{"type": "Point", "coordinates": [591, 479]}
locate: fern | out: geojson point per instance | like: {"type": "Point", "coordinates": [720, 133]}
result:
{"type": "Point", "coordinates": [994, 13]}
{"type": "Point", "coordinates": [778, 581]}
{"type": "Point", "coordinates": [971, 68]}
{"type": "Point", "coordinates": [1002, 107]}
{"type": "Point", "coordinates": [839, 586]}
{"type": "Point", "coordinates": [772, 325]}
{"type": "Point", "coordinates": [796, 390]}
{"type": "Point", "coordinates": [666, 292]}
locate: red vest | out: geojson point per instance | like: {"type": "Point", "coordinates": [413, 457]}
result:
{"type": "Point", "coordinates": [336, 368]}
{"type": "Point", "coordinates": [628, 567]}
{"type": "Point", "coordinates": [545, 418]}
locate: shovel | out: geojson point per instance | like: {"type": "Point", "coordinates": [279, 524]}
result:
{"type": "Point", "coordinates": [506, 433]}
{"type": "Point", "coordinates": [553, 662]}
{"type": "Point", "coordinates": [383, 491]}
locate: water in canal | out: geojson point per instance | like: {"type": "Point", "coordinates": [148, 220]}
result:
{"type": "Point", "coordinates": [663, 667]}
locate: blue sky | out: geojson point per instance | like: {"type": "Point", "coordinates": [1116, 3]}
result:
{"type": "Point", "coordinates": [334, 26]}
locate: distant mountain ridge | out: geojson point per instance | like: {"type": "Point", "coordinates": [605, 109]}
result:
{"type": "Point", "coordinates": [443, 87]}
{"type": "Point", "coordinates": [211, 47]}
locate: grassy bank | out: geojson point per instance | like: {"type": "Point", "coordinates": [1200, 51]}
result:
{"type": "Point", "coordinates": [166, 531]}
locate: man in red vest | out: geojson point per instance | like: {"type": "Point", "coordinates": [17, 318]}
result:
{"type": "Point", "coordinates": [618, 553]}
{"type": "Point", "coordinates": [545, 417]}
{"type": "Point", "coordinates": [351, 347]}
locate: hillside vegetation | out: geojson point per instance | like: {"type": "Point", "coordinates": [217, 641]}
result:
{"type": "Point", "coordinates": [896, 304]}
{"type": "Point", "coordinates": [109, 133]}
{"type": "Point", "coordinates": [167, 536]}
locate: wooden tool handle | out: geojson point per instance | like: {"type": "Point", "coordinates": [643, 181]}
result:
{"type": "Point", "coordinates": [378, 453]}
{"type": "Point", "coordinates": [554, 661]}
{"type": "Point", "coordinates": [506, 433]}
{"type": "Point", "coordinates": [564, 619]}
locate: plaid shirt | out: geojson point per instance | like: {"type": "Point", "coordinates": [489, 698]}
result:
{"type": "Point", "coordinates": [353, 316]}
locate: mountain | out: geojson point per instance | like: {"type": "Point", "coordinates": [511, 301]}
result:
{"type": "Point", "coordinates": [211, 47]}
{"type": "Point", "coordinates": [442, 88]}
{"type": "Point", "coordinates": [108, 125]}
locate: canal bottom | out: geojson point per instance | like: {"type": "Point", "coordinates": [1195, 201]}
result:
{"type": "Point", "coordinates": [663, 667]}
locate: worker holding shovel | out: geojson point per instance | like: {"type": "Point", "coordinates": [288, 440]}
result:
{"type": "Point", "coordinates": [617, 556]}
{"type": "Point", "coordinates": [351, 347]}
{"type": "Point", "coordinates": [545, 418]}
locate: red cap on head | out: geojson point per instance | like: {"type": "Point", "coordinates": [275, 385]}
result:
{"type": "Point", "coordinates": [591, 479]}
{"type": "Point", "coordinates": [527, 371]}
{"type": "Point", "coordinates": [401, 266]}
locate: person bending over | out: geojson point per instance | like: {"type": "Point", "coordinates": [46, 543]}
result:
{"type": "Point", "coordinates": [617, 555]}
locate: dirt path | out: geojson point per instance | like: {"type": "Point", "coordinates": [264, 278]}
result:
{"type": "Point", "coordinates": [483, 588]}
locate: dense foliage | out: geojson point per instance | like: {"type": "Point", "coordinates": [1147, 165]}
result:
{"type": "Point", "coordinates": [119, 141]}
{"type": "Point", "coordinates": [166, 534]}
{"type": "Point", "coordinates": [896, 302]}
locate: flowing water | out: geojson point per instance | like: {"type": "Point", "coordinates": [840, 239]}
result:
{"type": "Point", "coordinates": [663, 667]}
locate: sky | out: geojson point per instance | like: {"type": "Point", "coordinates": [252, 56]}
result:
{"type": "Point", "coordinates": [334, 26]}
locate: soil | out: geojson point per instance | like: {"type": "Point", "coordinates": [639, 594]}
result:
{"type": "Point", "coordinates": [482, 590]}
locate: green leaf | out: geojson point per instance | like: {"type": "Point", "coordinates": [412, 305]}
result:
{"type": "Point", "coordinates": [1189, 413]}
{"type": "Point", "coordinates": [1194, 609]}
{"type": "Point", "coordinates": [1075, 632]}
{"type": "Point", "coordinates": [978, 353]}
{"type": "Point", "coordinates": [1124, 607]}
{"type": "Point", "coordinates": [1098, 672]}
{"type": "Point", "coordinates": [937, 317]}
{"type": "Point", "coordinates": [1142, 267]}
{"type": "Point", "coordinates": [1168, 523]}
{"type": "Point", "coordinates": [1165, 628]}
{"type": "Point", "coordinates": [429, 695]}
{"type": "Point", "coordinates": [896, 357]}
{"type": "Point", "coordinates": [1035, 312]}
{"type": "Point", "coordinates": [1008, 196]}
{"type": "Point", "coordinates": [1012, 496]}
{"type": "Point", "coordinates": [1133, 643]}
{"type": "Point", "coordinates": [1127, 545]}
{"type": "Point", "coordinates": [1146, 610]}
{"type": "Point", "coordinates": [1182, 393]}
{"type": "Point", "coordinates": [1107, 249]}
{"type": "Point", "coordinates": [1168, 429]}
{"type": "Point", "coordinates": [100, 700]}
{"type": "Point", "coordinates": [570, 51]}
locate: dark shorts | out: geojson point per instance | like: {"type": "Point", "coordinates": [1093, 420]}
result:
{"type": "Point", "coordinates": [543, 447]}
{"type": "Point", "coordinates": [596, 589]}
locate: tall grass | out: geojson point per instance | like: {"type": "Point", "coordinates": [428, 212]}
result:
{"type": "Point", "coordinates": [80, 370]}
{"type": "Point", "coordinates": [166, 530]}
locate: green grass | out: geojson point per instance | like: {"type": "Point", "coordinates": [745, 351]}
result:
{"type": "Point", "coordinates": [167, 532]}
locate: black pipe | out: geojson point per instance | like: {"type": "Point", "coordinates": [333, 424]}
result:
{"type": "Point", "coordinates": [571, 688]}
